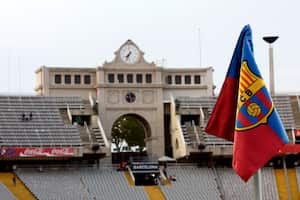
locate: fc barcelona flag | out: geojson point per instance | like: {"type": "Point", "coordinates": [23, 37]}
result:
{"type": "Point", "coordinates": [244, 112]}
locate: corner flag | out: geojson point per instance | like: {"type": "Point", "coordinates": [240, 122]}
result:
{"type": "Point", "coordinates": [244, 112]}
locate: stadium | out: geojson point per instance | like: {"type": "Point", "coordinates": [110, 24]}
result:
{"type": "Point", "coordinates": [63, 142]}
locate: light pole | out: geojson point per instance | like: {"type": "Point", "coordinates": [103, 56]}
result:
{"type": "Point", "coordinates": [270, 40]}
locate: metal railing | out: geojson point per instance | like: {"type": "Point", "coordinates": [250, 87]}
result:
{"type": "Point", "coordinates": [196, 132]}
{"type": "Point", "coordinates": [102, 133]}
{"type": "Point", "coordinates": [219, 183]}
{"type": "Point", "coordinates": [69, 113]}
{"type": "Point", "coordinates": [91, 99]}
{"type": "Point", "coordinates": [88, 131]}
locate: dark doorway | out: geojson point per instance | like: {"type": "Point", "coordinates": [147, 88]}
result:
{"type": "Point", "coordinates": [190, 118]}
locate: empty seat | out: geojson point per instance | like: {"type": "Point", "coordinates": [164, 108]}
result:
{"type": "Point", "coordinates": [33, 120]}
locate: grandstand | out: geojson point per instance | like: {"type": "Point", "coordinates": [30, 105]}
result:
{"type": "Point", "coordinates": [106, 182]}
{"type": "Point", "coordinates": [36, 122]}
{"type": "Point", "coordinates": [192, 183]}
{"type": "Point", "coordinates": [236, 189]}
{"type": "Point", "coordinates": [53, 124]}
{"type": "Point", "coordinates": [82, 183]}
{"type": "Point", "coordinates": [33, 126]}
{"type": "Point", "coordinates": [195, 112]}
{"type": "Point", "coordinates": [30, 121]}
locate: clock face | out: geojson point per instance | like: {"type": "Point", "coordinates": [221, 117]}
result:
{"type": "Point", "coordinates": [129, 54]}
{"type": "Point", "coordinates": [130, 97]}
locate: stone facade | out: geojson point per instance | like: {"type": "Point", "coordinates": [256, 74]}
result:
{"type": "Point", "coordinates": [128, 85]}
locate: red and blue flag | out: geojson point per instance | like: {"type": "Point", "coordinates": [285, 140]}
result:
{"type": "Point", "coordinates": [244, 112]}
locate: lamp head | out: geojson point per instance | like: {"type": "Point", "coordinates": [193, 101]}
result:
{"type": "Point", "coordinates": [270, 39]}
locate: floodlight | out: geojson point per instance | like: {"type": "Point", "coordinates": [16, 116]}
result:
{"type": "Point", "coordinates": [270, 39]}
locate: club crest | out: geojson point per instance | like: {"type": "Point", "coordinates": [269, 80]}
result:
{"type": "Point", "coordinates": [254, 102]}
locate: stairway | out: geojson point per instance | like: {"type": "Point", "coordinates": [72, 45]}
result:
{"type": "Point", "coordinates": [64, 116]}
{"type": "Point", "coordinates": [200, 131]}
{"type": "Point", "coordinates": [96, 132]}
{"type": "Point", "coordinates": [154, 193]}
{"type": "Point", "coordinates": [83, 135]}
{"type": "Point", "coordinates": [282, 186]}
{"type": "Point", "coordinates": [186, 135]}
{"type": "Point", "coordinates": [20, 191]}
{"type": "Point", "coordinates": [129, 179]}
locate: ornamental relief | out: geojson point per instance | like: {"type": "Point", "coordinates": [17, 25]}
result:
{"type": "Point", "coordinates": [148, 97]}
{"type": "Point", "coordinates": [113, 97]}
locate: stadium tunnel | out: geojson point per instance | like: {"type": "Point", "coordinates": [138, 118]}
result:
{"type": "Point", "coordinates": [145, 173]}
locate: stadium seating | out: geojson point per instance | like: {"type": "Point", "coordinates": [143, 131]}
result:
{"type": "Point", "coordinates": [284, 108]}
{"type": "Point", "coordinates": [45, 127]}
{"type": "Point", "coordinates": [110, 184]}
{"type": "Point", "coordinates": [269, 187]}
{"type": "Point", "coordinates": [236, 189]}
{"type": "Point", "coordinates": [5, 193]}
{"type": "Point", "coordinates": [282, 104]}
{"type": "Point", "coordinates": [191, 183]}
{"type": "Point", "coordinates": [84, 183]}
{"type": "Point", "coordinates": [56, 184]}
{"type": "Point", "coordinates": [295, 101]}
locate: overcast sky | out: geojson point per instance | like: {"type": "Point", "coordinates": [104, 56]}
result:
{"type": "Point", "coordinates": [86, 33]}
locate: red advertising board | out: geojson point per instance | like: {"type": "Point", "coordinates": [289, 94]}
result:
{"type": "Point", "coordinates": [37, 152]}
{"type": "Point", "coordinates": [290, 148]}
{"type": "Point", "coordinates": [297, 132]}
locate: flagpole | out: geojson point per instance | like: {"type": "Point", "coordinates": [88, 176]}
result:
{"type": "Point", "coordinates": [257, 185]}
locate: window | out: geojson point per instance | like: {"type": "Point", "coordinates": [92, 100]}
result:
{"type": "Point", "coordinates": [139, 78]}
{"type": "Point", "coordinates": [169, 79]}
{"type": "Point", "coordinates": [129, 78]}
{"type": "Point", "coordinates": [111, 78]}
{"type": "Point", "coordinates": [67, 79]}
{"type": "Point", "coordinates": [77, 79]}
{"type": "Point", "coordinates": [178, 79]}
{"type": "Point", "coordinates": [148, 78]}
{"type": "Point", "coordinates": [130, 97]}
{"type": "Point", "coordinates": [121, 78]}
{"type": "Point", "coordinates": [57, 79]}
{"type": "Point", "coordinates": [187, 79]}
{"type": "Point", "coordinates": [197, 79]}
{"type": "Point", "coordinates": [87, 79]}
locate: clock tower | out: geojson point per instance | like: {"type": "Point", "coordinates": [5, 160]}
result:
{"type": "Point", "coordinates": [131, 86]}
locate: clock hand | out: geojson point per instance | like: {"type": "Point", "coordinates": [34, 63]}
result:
{"type": "Point", "coordinates": [128, 55]}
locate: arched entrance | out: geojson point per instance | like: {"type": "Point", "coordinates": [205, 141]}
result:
{"type": "Point", "coordinates": [129, 134]}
